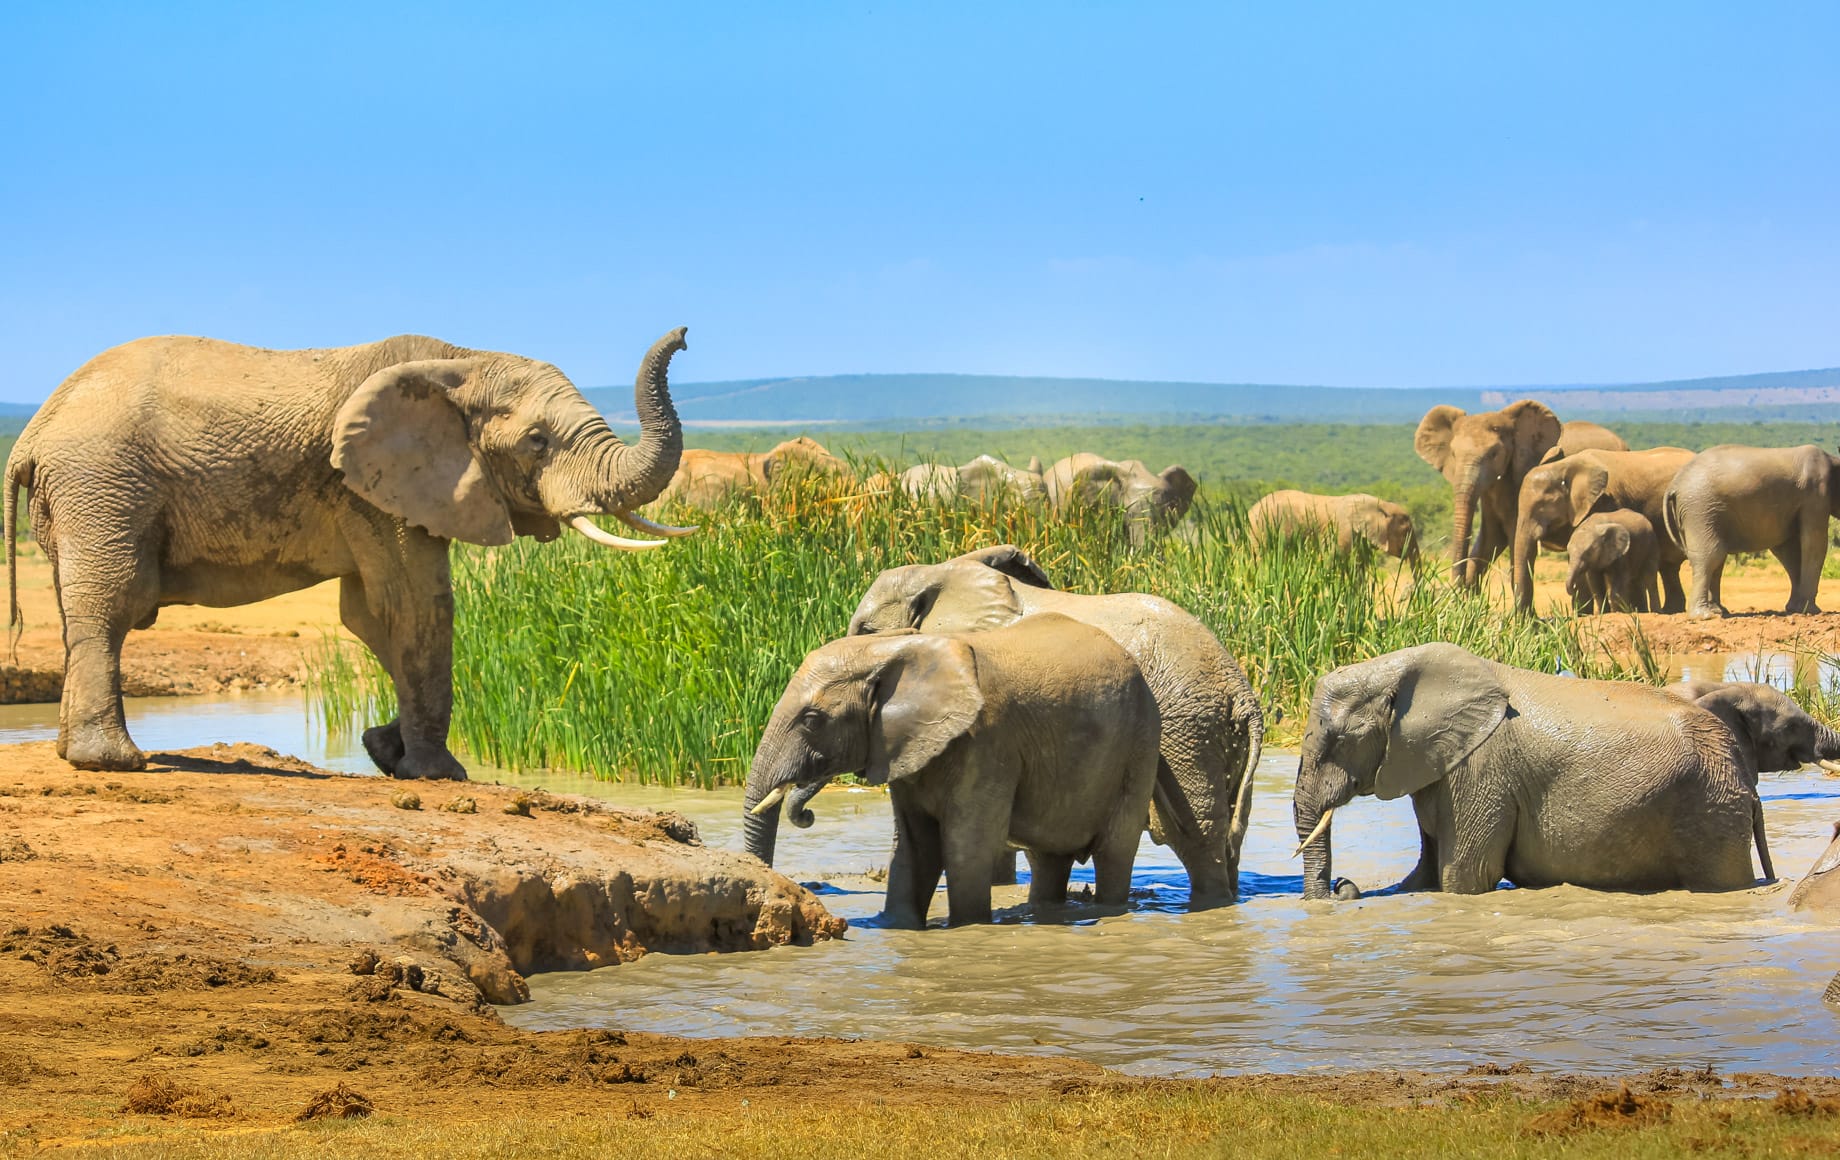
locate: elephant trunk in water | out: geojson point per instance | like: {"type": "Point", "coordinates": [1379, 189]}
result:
{"type": "Point", "coordinates": [1313, 832]}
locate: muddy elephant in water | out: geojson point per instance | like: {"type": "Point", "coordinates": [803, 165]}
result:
{"type": "Point", "coordinates": [1539, 779]}
{"type": "Point", "coordinates": [189, 471]}
{"type": "Point", "coordinates": [1382, 523]}
{"type": "Point", "coordinates": [1614, 564]}
{"type": "Point", "coordinates": [1819, 891]}
{"type": "Point", "coordinates": [984, 479]}
{"type": "Point", "coordinates": [1773, 733]}
{"type": "Point", "coordinates": [1558, 495]}
{"type": "Point", "coordinates": [1212, 729]}
{"type": "Point", "coordinates": [1485, 457]}
{"type": "Point", "coordinates": [1041, 735]}
{"type": "Point", "coordinates": [1732, 498]}
{"type": "Point", "coordinates": [705, 479]}
{"type": "Point", "coordinates": [1150, 502]}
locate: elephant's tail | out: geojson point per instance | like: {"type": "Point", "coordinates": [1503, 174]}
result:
{"type": "Point", "coordinates": [1242, 804]}
{"type": "Point", "coordinates": [17, 475]}
{"type": "Point", "coordinates": [1670, 518]}
{"type": "Point", "coordinates": [1763, 842]}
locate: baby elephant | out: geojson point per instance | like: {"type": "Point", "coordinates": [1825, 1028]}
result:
{"type": "Point", "coordinates": [1773, 733]}
{"type": "Point", "coordinates": [1042, 735]}
{"type": "Point", "coordinates": [1616, 564]}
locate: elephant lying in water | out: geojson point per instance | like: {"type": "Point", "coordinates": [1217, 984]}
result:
{"type": "Point", "coordinates": [1539, 779]}
{"type": "Point", "coordinates": [190, 471]}
{"type": "Point", "coordinates": [1041, 735]}
{"type": "Point", "coordinates": [1212, 728]}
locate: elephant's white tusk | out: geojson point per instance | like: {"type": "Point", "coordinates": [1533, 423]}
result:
{"type": "Point", "coordinates": [777, 796]}
{"type": "Point", "coordinates": [1829, 766]}
{"type": "Point", "coordinates": [586, 527]}
{"type": "Point", "coordinates": [1321, 825]}
{"type": "Point", "coordinates": [641, 524]}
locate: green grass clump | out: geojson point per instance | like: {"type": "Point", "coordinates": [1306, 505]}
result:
{"type": "Point", "coordinates": [663, 667]}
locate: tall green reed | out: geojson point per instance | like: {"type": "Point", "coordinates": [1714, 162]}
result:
{"type": "Point", "coordinates": [664, 666]}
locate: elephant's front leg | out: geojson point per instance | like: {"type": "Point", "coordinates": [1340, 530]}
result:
{"type": "Point", "coordinates": [402, 606]}
{"type": "Point", "coordinates": [1475, 828]}
{"type": "Point", "coordinates": [1673, 593]}
{"type": "Point", "coordinates": [1426, 806]}
{"type": "Point", "coordinates": [1810, 555]}
{"type": "Point", "coordinates": [914, 868]}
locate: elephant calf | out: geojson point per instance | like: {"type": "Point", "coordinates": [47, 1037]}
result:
{"type": "Point", "coordinates": [1615, 564]}
{"type": "Point", "coordinates": [1042, 735]}
{"type": "Point", "coordinates": [1382, 523]}
{"type": "Point", "coordinates": [1773, 733]}
{"type": "Point", "coordinates": [1536, 778]}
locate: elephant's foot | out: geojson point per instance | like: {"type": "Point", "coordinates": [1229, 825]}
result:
{"type": "Point", "coordinates": [106, 750]}
{"type": "Point", "coordinates": [385, 745]}
{"type": "Point", "coordinates": [1805, 606]}
{"type": "Point", "coordinates": [442, 766]}
{"type": "Point", "coordinates": [1708, 612]}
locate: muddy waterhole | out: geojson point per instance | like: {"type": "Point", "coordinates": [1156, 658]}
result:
{"type": "Point", "coordinates": [1561, 978]}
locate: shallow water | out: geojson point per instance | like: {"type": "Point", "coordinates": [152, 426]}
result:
{"type": "Point", "coordinates": [1560, 978]}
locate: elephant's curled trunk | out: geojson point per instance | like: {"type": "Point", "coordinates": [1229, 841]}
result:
{"type": "Point", "coordinates": [635, 475]}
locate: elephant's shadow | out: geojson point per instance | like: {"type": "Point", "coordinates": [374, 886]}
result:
{"type": "Point", "coordinates": [230, 764]}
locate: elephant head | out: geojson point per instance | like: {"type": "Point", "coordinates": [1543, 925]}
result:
{"type": "Point", "coordinates": [795, 458]}
{"type": "Point", "coordinates": [883, 706]}
{"type": "Point", "coordinates": [1773, 732]}
{"type": "Point", "coordinates": [1388, 526]}
{"type": "Point", "coordinates": [988, 477]}
{"type": "Point", "coordinates": [1555, 498]}
{"type": "Point", "coordinates": [1594, 549]}
{"type": "Point", "coordinates": [974, 592]}
{"type": "Point", "coordinates": [1484, 457]}
{"type": "Point", "coordinates": [487, 447]}
{"type": "Point", "coordinates": [1387, 727]}
{"type": "Point", "coordinates": [1150, 502]}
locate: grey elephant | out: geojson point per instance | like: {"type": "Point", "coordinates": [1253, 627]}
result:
{"type": "Point", "coordinates": [1732, 498]}
{"type": "Point", "coordinates": [1614, 564]}
{"type": "Point", "coordinates": [1212, 729]}
{"type": "Point", "coordinates": [982, 480]}
{"type": "Point", "coordinates": [1819, 891]}
{"type": "Point", "coordinates": [707, 479]}
{"type": "Point", "coordinates": [1485, 457]}
{"type": "Point", "coordinates": [1150, 502]}
{"type": "Point", "coordinates": [1539, 779]}
{"type": "Point", "coordinates": [1382, 523]}
{"type": "Point", "coordinates": [1560, 494]}
{"type": "Point", "coordinates": [1773, 733]}
{"type": "Point", "coordinates": [1040, 735]}
{"type": "Point", "coordinates": [189, 471]}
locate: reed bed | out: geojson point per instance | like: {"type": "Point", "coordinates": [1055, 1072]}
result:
{"type": "Point", "coordinates": [662, 667]}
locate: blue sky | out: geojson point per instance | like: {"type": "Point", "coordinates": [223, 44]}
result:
{"type": "Point", "coordinates": [1354, 194]}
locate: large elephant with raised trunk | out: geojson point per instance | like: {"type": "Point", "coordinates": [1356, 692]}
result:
{"type": "Point", "coordinates": [190, 471]}
{"type": "Point", "coordinates": [1039, 736]}
{"type": "Point", "coordinates": [1539, 779]}
{"type": "Point", "coordinates": [1485, 457]}
{"type": "Point", "coordinates": [1733, 498]}
{"type": "Point", "coordinates": [1212, 726]}
{"type": "Point", "coordinates": [1560, 494]}
{"type": "Point", "coordinates": [1150, 502]}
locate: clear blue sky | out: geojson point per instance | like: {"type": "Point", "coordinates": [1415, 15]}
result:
{"type": "Point", "coordinates": [1359, 194]}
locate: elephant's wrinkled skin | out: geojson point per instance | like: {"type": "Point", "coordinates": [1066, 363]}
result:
{"type": "Point", "coordinates": [982, 480]}
{"type": "Point", "coordinates": [1773, 733]}
{"type": "Point", "coordinates": [1558, 495]}
{"type": "Point", "coordinates": [1041, 735]}
{"type": "Point", "coordinates": [1212, 726]}
{"type": "Point", "coordinates": [1615, 564]}
{"type": "Point", "coordinates": [1539, 779]}
{"type": "Point", "coordinates": [1382, 523]}
{"type": "Point", "coordinates": [705, 479]}
{"type": "Point", "coordinates": [1151, 502]}
{"type": "Point", "coordinates": [1819, 890]}
{"type": "Point", "coordinates": [189, 471]}
{"type": "Point", "coordinates": [1485, 457]}
{"type": "Point", "coordinates": [1733, 498]}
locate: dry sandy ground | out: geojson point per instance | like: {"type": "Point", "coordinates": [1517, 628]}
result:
{"type": "Point", "coordinates": [227, 937]}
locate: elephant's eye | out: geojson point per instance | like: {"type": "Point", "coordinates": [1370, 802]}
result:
{"type": "Point", "coordinates": [536, 443]}
{"type": "Point", "coordinates": [810, 717]}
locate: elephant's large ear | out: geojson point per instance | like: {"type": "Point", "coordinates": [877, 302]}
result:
{"type": "Point", "coordinates": [1093, 482]}
{"type": "Point", "coordinates": [1182, 485]}
{"type": "Point", "coordinates": [1446, 702]}
{"type": "Point", "coordinates": [924, 698]}
{"type": "Point", "coordinates": [1034, 465]}
{"type": "Point", "coordinates": [1012, 562]}
{"type": "Point", "coordinates": [1432, 440]}
{"type": "Point", "coordinates": [1589, 481]}
{"type": "Point", "coordinates": [402, 444]}
{"type": "Point", "coordinates": [1536, 431]}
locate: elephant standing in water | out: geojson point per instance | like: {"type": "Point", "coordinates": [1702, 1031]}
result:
{"type": "Point", "coordinates": [1536, 778]}
{"type": "Point", "coordinates": [1559, 495]}
{"type": "Point", "coordinates": [1040, 735]}
{"type": "Point", "coordinates": [189, 471]}
{"type": "Point", "coordinates": [1614, 564]}
{"type": "Point", "coordinates": [1212, 727]}
{"type": "Point", "coordinates": [1150, 502]}
{"type": "Point", "coordinates": [1485, 457]}
{"type": "Point", "coordinates": [1746, 499]}
{"type": "Point", "coordinates": [1382, 523]}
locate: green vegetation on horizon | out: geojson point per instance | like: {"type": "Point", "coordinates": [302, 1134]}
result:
{"type": "Point", "coordinates": [664, 667]}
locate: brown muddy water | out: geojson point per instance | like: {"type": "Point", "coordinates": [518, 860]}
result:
{"type": "Point", "coordinates": [1563, 978]}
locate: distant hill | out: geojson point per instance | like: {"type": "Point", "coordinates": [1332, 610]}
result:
{"type": "Point", "coordinates": [921, 400]}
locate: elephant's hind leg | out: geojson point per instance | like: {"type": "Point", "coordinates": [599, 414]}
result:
{"type": "Point", "coordinates": [103, 591]}
{"type": "Point", "coordinates": [1048, 875]}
